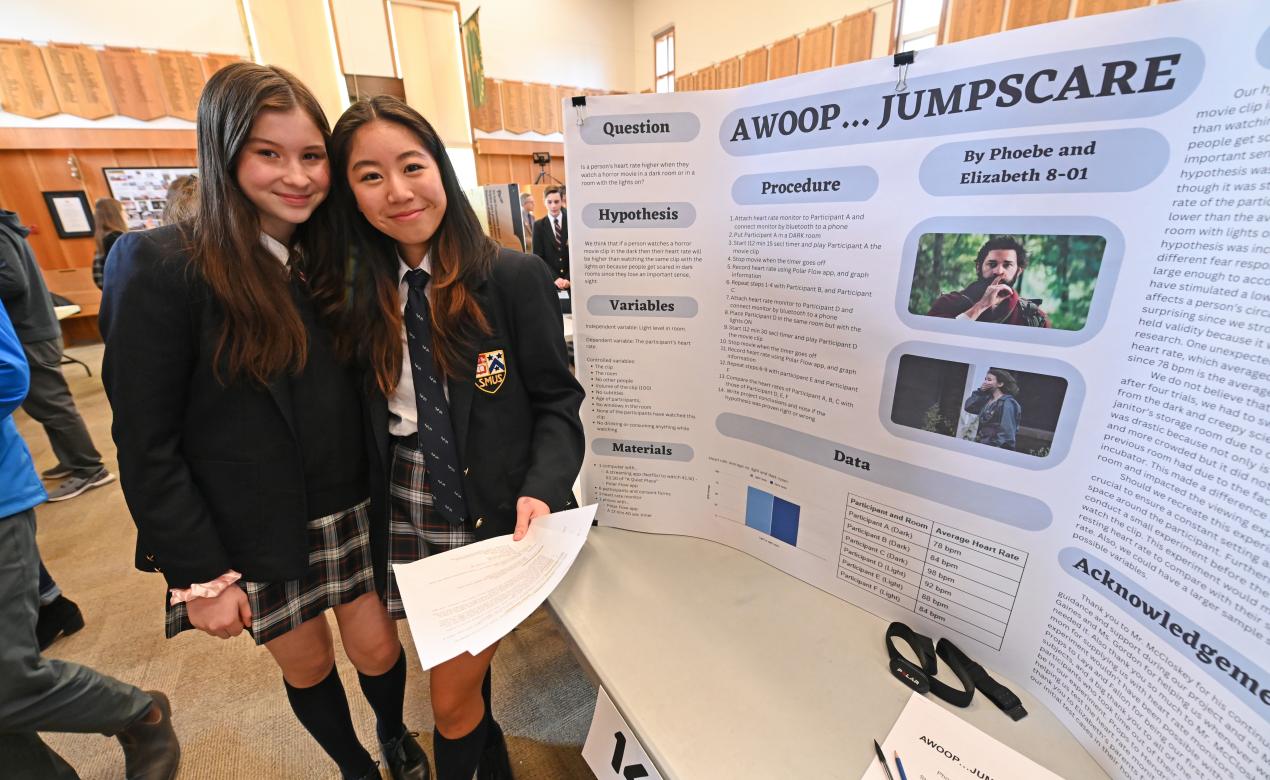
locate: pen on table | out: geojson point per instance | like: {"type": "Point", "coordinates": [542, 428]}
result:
{"type": "Point", "coordinates": [882, 758]}
{"type": "Point", "coordinates": [900, 766]}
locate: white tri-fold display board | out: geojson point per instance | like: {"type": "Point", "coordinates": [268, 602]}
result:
{"type": "Point", "coordinates": [985, 352]}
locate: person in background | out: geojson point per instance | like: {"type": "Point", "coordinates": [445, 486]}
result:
{"type": "Point", "coordinates": [998, 407]}
{"type": "Point", "coordinates": [564, 197]}
{"type": "Point", "coordinates": [527, 219]}
{"type": "Point", "coordinates": [182, 199]}
{"type": "Point", "coordinates": [59, 616]}
{"type": "Point", "coordinates": [551, 237]}
{"type": "Point", "coordinates": [472, 409]}
{"type": "Point", "coordinates": [109, 223]}
{"type": "Point", "coordinates": [50, 403]}
{"type": "Point", "coordinates": [41, 694]}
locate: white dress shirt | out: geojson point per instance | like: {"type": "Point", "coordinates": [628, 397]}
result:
{"type": "Point", "coordinates": [403, 415]}
{"type": "Point", "coordinates": [275, 247]}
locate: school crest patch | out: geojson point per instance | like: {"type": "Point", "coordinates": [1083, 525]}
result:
{"type": "Point", "coordinates": [491, 370]}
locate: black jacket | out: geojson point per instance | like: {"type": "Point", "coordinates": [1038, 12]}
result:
{"type": "Point", "coordinates": [522, 439]}
{"type": "Point", "coordinates": [214, 474]}
{"type": "Point", "coordinates": [22, 288]}
{"type": "Point", "coordinates": [545, 245]}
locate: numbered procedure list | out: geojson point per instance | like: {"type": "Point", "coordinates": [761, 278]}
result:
{"type": "Point", "coordinates": [962, 581]}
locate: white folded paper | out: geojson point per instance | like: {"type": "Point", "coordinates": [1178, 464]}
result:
{"type": "Point", "coordinates": [935, 744]}
{"type": "Point", "coordinates": [466, 599]}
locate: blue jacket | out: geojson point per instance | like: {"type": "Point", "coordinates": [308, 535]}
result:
{"type": "Point", "coordinates": [20, 487]}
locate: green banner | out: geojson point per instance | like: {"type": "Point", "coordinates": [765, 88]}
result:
{"type": "Point", "coordinates": [475, 64]}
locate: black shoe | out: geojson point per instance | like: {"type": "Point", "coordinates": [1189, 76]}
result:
{"type": "Point", "coordinates": [372, 774]}
{"type": "Point", "coordinates": [405, 759]}
{"type": "Point", "coordinates": [61, 617]}
{"type": "Point", "coordinates": [495, 763]}
{"type": "Point", "coordinates": [151, 750]}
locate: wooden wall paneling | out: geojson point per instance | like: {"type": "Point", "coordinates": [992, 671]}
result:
{"type": "Point", "coordinates": [1091, 7]}
{"type": "Point", "coordinates": [972, 18]}
{"type": "Point", "coordinates": [1025, 13]}
{"type": "Point", "coordinates": [712, 77]}
{"type": "Point", "coordinates": [175, 158]}
{"type": "Point", "coordinates": [77, 80]}
{"type": "Point", "coordinates": [683, 82]}
{"type": "Point", "coordinates": [730, 73]}
{"type": "Point", "coordinates": [135, 158]}
{"type": "Point", "coordinates": [482, 169]}
{"type": "Point", "coordinates": [91, 161]}
{"type": "Point", "coordinates": [524, 170]}
{"type": "Point", "coordinates": [564, 106]}
{"type": "Point", "coordinates": [25, 87]}
{"type": "Point", "coordinates": [52, 173]}
{"type": "Point", "coordinates": [754, 67]}
{"type": "Point", "coordinates": [816, 50]}
{"type": "Point", "coordinates": [543, 118]}
{"type": "Point", "coordinates": [489, 117]}
{"type": "Point", "coordinates": [22, 194]}
{"type": "Point", "coordinates": [133, 82]}
{"type": "Point", "coordinates": [853, 38]}
{"type": "Point", "coordinates": [502, 169]}
{"type": "Point", "coordinates": [210, 63]}
{"type": "Point", "coordinates": [91, 138]}
{"type": "Point", "coordinates": [516, 117]}
{"type": "Point", "coordinates": [784, 58]}
{"type": "Point", "coordinates": [182, 81]}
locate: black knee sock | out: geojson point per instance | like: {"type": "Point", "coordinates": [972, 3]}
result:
{"type": "Point", "coordinates": [457, 759]}
{"type": "Point", "coordinates": [323, 711]}
{"type": "Point", "coordinates": [387, 696]}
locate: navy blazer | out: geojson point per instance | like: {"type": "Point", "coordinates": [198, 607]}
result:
{"type": "Point", "coordinates": [521, 435]}
{"type": "Point", "coordinates": [545, 245]}
{"type": "Point", "coordinates": [213, 473]}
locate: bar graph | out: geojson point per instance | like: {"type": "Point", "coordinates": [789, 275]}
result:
{"type": "Point", "coordinates": [772, 515]}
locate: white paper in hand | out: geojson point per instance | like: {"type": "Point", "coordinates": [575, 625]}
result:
{"type": "Point", "coordinates": [466, 599]}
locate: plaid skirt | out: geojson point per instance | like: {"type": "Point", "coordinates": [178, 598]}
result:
{"type": "Point", "coordinates": [414, 530]}
{"type": "Point", "coordinates": [340, 570]}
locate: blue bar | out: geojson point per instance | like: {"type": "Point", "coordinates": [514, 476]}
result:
{"type": "Point", "coordinates": [785, 521]}
{"type": "Point", "coordinates": [758, 509]}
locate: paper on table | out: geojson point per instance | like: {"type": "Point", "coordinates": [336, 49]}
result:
{"type": "Point", "coordinates": [935, 744]}
{"type": "Point", "coordinates": [466, 599]}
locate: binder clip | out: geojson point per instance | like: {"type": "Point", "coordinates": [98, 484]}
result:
{"type": "Point", "coordinates": [902, 60]}
{"type": "Point", "coordinates": [579, 105]}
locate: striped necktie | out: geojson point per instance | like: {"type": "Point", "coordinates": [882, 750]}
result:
{"type": "Point", "coordinates": [436, 434]}
{"type": "Point", "coordinates": [555, 228]}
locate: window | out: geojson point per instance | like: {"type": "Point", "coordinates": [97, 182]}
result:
{"type": "Point", "coordinates": [664, 60]}
{"type": "Point", "coordinates": [919, 24]}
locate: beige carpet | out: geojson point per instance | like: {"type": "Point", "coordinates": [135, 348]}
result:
{"type": "Point", "coordinates": [229, 707]}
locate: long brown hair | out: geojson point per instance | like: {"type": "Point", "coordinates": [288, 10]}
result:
{"type": "Point", "coordinates": [108, 217]}
{"type": "Point", "coordinates": [263, 335]}
{"type": "Point", "coordinates": [182, 200]}
{"type": "Point", "coordinates": [364, 291]}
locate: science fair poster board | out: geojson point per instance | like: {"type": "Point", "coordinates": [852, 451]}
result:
{"type": "Point", "coordinates": [985, 352]}
{"type": "Point", "coordinates": [143, 192]}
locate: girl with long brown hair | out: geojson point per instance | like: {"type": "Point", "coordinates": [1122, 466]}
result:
{"type": "Point", "coordinates": [109, 223]}
{"type": "Point", "coordinates": [239, 430]}
{"type": "Point", "coordinates": [471, 402]}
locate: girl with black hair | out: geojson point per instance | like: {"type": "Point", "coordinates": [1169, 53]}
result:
{"type": "Point", "coordinates": [239, 431]}
{"type": "Point", "coordinates": [471, 403]}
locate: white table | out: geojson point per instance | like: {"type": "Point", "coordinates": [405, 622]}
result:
{"type": "Point", "coordinates": [62, 312]}
{"type": "Point", "coordinates": [728, 668]}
